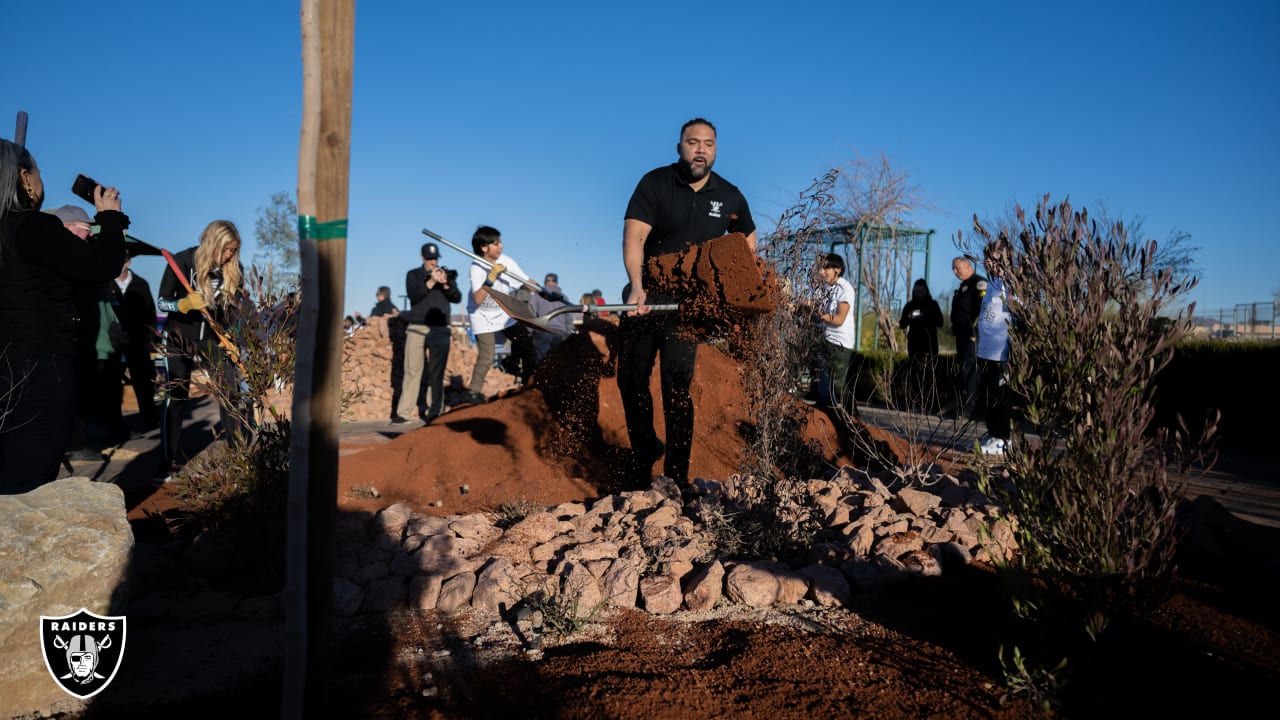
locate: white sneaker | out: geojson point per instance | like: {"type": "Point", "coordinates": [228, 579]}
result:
{"type": "Point", "coordinates": [991, 445]}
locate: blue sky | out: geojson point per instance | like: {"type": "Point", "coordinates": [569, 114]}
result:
{"type": "Point", "coordinates": [539, 118]}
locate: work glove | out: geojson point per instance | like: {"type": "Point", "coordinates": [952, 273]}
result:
{"type": "Point", "coordinates": [552, 296]}
{"type": "Point", "coordinates": [494, 272]}
{"type": "Point", "coordinates": [192, 301]}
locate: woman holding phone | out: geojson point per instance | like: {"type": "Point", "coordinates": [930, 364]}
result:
{"type": "Point", "coordinates": [40, 261]}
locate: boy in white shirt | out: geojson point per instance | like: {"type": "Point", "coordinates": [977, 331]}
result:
{"type": "Point", "coordinates": [487, 317]}
{"type": "Point", "coordinates": [835, 315]}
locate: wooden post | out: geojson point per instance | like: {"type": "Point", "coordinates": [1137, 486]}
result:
{"type": "Point", "coordinates": [323, 165]}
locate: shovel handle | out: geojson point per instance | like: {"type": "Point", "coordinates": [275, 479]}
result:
{"type": "Point", "coordinates": [519, 280]}
{"type": "Point", "coordinates": [232, 351]}
{"type": "Point", "coordinates": [20, 129]}
{"type": "Point", "coordinates": [667, 307]}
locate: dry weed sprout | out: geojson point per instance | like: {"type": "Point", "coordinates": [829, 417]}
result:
{"type": "Point", "coordinates": [510, 513]}
{"type": "Point", "coordinates": [775, 353]}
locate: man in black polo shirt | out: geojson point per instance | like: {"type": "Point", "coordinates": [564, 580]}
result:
{"type": "Point", "coordinates": [673, 208]}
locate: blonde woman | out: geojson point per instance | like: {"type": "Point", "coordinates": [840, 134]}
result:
{"type": "Point", "coordinates": [214, 272]}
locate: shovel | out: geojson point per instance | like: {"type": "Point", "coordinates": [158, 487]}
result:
{"type": "Point", "coordinates": [520, 311]}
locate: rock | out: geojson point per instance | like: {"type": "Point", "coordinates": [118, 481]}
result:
{"type": "Point", "coordinates": [705, 587]}
{"type": "Point", "coordinates": [63, 546]}
{"type": "Point", "coordinates": [391, 521]}
{"type": "Point", "coordinates": [751, 583]}
{"type": "Point", "coordinates": [916, 502]}
{"type": "Point", "coordinates": [424, 592]}
{"type": "Point", "coordinates": [534, 529]}
{"type": "Point", "coordinates": [898, 544]}
{"type": "Point", "coordinates": [476, 526]}
{"type": "Point", "coordinates": [382, 595]}
{"type": "Point", "coordinates": [578, 582]}
{"type": "Point", "coordinates": [660, 594]}
{"type": "Point", "coordinates": [347, 597]}
{"type": "Point", "coordinates": [456, 592]}
{"type": "Point", "coordinates": [497, 587]}
{"type": "Point", "coordinates": [828, 586]}
{"type": "Point", "coordinates": [621, 583]}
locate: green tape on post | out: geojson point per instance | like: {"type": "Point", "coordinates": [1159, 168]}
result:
{"type": "Point", "coordinates": [309, 229]}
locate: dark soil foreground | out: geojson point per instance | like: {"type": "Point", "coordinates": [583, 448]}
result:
{"type": "Point", "coordinates": [924, 649]}
{"type": "Point", "coordinates": [928, 648]}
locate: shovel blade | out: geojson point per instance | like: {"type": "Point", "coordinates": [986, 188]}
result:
{"type": "Point", "coordinates": [519, 310]}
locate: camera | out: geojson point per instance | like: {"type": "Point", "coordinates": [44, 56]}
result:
{"type": "Point", "coordinates": [83, 187]}
{"type": "Point", "coordinates": [449, 273]}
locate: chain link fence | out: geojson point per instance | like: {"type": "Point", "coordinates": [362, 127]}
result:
{"type": "Point", "coordinates": [1244, 321]}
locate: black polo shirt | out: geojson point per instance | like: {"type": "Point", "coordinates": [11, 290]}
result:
{"type": "Point", "coordinates": [681, 217]}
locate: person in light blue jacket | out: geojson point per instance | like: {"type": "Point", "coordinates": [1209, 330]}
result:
{"type": "Point", "coordinates": [993, 351]}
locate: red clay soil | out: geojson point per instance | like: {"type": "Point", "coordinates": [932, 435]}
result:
{"type": "Point", "coordinates": [718, 283]}
{"type": "Point", "coordinates": [562, 439]}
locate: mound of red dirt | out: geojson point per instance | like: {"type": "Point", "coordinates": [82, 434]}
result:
{"type": "Point", "coordinates": [718, 283]}
{"type": "Point", "coordinates": [562, 439]}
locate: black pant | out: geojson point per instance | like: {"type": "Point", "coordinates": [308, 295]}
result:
{"type": "Point", "coordinates": [643, 340]}
{"type": "Point", "coordinates": [180, 362]}
{"type": "Point", "coordinates": [98, 400]}
{"type": "Point", "coordinates": [39, 396]}
{"type": "Point", "coordinates": [142, 377]}
{"type": "Point", "coordinates": [523, 357]}
{"type": "Point", "coordinates": [995, 398]}
{"type": "Point", "coordinates": [967, 375]}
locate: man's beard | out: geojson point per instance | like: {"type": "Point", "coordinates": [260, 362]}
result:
{"type": "Point", "coordinates": [694, 173]}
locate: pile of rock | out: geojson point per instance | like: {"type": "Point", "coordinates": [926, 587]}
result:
{"type": "Point", "coordinates": [366, 373]}
{"type": "Point", "coordinates": [641, 549]}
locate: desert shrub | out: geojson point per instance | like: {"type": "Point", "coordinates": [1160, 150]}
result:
{"type": "Point", "coordinates": [241, 487]}
{"type": "Point", "coordinates": [241, 492]}
{"type": "Point", "coordinates": [559, 611]}
{"type": "Point", "coordinates": [1093, 503]}
{"type": "Point", "coordinates": [510, 513]}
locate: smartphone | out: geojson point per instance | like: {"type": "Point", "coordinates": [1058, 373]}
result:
{"type": "Point", "coordinates": [83, 187]}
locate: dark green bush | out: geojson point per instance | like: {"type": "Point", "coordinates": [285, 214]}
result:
{"type": "Point", "coordinates": [1237, 378]}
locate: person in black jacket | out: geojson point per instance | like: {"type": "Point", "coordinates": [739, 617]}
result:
{"type": "Point", "coordinates": [431, 289]}
{"type": "Point", "coordinates": [214, 272]}
{"type": "Point", "coordinates": [136, 308]}
{"type": "Point", "coordinates": [966, 305]}
{"type": "Point", "coordinates": [384, 306]}
{"type": "Point", "coordinates": [921, 318]}
{"type": "Point", "coordinates": [40, 261]}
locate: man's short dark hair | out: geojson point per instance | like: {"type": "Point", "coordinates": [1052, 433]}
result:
{"type": "Point", "coordinates": [552, 277]}
{"type": "Point", "coordinates": [697, 121]}
{"type": "Point", "coordinates": [832, 260]}
{"type": "Point", "coordinates": [484, 235]}
{"type": "Point", "coordinates": [384, 290]}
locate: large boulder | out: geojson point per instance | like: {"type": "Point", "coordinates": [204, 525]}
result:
{"type": "Point", "coordinates": [63, 546]}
